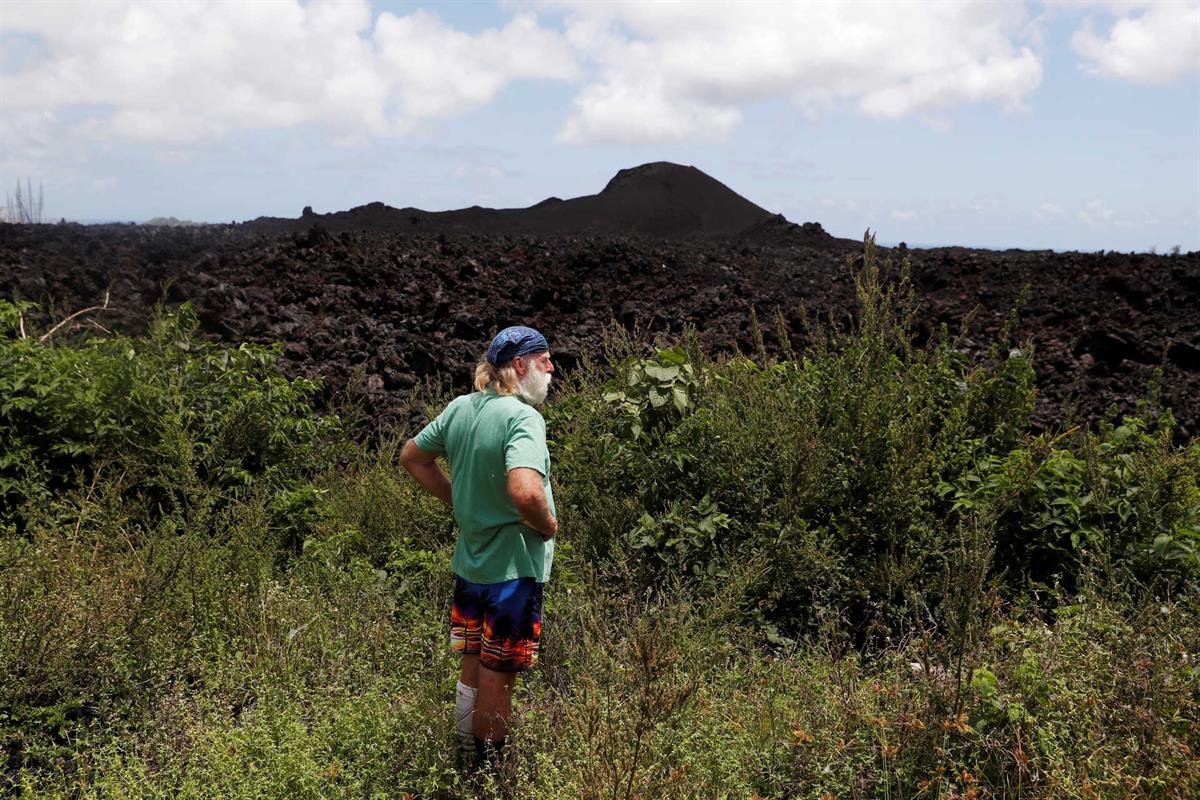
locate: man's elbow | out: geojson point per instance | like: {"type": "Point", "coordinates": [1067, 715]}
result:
{"type": "Point", "coordinates": [528, 502]}
{"type": "Point", "coordinates": [411, 456]}
{"type": "Point", "coordinates": [525, 490]}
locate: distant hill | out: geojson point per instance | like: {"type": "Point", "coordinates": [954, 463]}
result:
{"type": "Point", "coordinates": [172, 222]}
{"type": "Point", "coordinates": [658, 199]}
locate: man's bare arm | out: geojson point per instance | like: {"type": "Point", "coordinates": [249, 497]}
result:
{"type": "Point", "coordinates": [525, 489]}
{"type": "Point", "coordinates": [424, 467]}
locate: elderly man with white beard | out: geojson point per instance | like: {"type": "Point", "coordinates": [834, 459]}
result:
{"type": "Point", "coordinates": [499, 489]}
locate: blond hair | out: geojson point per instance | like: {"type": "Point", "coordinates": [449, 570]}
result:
{"type": "Point", "coordinates": [502, 378]}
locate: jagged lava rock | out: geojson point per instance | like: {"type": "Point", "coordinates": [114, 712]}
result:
{"type": "Point", "coordinates": [662, 247]}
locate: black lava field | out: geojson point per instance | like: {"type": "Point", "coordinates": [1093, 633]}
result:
{"type": "Point", "coordinates": [402, 297]}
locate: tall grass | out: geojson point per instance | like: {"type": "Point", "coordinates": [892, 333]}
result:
{"type": "Point", "coordinates": [848, 572]}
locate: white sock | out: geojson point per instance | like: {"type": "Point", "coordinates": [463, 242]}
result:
{"type": "Point", "coordinates": [464, 717]}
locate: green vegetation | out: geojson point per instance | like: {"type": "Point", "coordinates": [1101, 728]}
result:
{"type": "Point", "coordinates": [847, 572]}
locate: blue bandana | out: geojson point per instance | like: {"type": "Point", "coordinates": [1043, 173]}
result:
{"type": "Point", "coordinates": [515, 341]}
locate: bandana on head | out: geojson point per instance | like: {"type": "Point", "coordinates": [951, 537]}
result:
{"type": "Point", "coordinates": [515, 341]}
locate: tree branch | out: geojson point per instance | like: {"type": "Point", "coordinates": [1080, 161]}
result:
{"type": "Point", "coordinates": [52, 331]}
{"type": "Point", "coordinates": [95, 324]}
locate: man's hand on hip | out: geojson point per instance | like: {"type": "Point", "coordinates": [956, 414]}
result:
{"type": "Point", "coordinates": [545, 536]}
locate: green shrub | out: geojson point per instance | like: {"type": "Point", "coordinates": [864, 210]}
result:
{"type": "Point", "coordinates": [170, 409]}
{"type": "Point", "coordinates": [828, 462]}
{"type": "Point", "coordinates": [1124, 498]}
{"type": "Point", "coordinates": [876, 476]}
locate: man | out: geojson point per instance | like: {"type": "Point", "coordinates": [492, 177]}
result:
{"type": "Point", "coordinates": [495, 441]}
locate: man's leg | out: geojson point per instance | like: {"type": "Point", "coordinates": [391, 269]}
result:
{"type": "Point", "coordinates": [466, 627]}
{"type": "Point", "coordinates": [509, 646]}
{"type": "Point", "coordinates": [493, 704]}
{"type": "Point", "coordinates": [469, 674]}
{"type": "Point", "coordinates": [465, 697]}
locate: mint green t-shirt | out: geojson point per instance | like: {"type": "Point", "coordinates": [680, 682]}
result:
{"type": "Point", "coordinates": [484, 435]}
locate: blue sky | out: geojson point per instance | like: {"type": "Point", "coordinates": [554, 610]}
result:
{"type": "Point", "coordinates": [1071, 125]}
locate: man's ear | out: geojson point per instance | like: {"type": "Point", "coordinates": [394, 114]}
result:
{"type": "Point", "coordinates": [520, 366]}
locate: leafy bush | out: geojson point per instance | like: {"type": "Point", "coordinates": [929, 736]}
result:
{"type": "Point", "coordinates": [655, 394]}
{"type": "Point", "coordinates": [169, 409]}
{"type": "Point", "coordinates": [1124, 498]}
{"type": "Point", "coordinates": [829, 462]}
{"type": "Point", "coordinates": [874, 475]}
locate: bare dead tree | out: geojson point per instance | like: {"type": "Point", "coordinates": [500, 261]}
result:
{"type": "Point", "coordinates": [24, 206]}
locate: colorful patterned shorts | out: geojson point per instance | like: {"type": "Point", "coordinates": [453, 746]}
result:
{"type": "Point", "coordinates": [502, 622]}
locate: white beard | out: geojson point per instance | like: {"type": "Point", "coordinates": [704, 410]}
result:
{"type": "Point", "coordinates": [534, 386]}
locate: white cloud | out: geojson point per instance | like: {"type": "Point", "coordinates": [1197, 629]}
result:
{"type": "Point", "coordinates": [1096, 213]}
{"type": "Point", "coordinates": [904, 214]}
{"type": "Point", "coordinates": [631, 112]}
{"type": "Point", "coordinates": [1049, 211]}
{"type": "Point", "coordinates": [440, 71]}
{"type": "Point", "coordinates": [186, 72]}
{"type": "Point", "coordinates": [669, 71]}
{"type": "Point", "coordinates": [181, 74]}
{"type": "Point", "coordinates": [1136, 221]}
{"type": "Point", "coordinates": [1151, 43]}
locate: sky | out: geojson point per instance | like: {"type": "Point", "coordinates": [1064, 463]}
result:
{"type": "Point", "coordinates": [1064, 125]}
